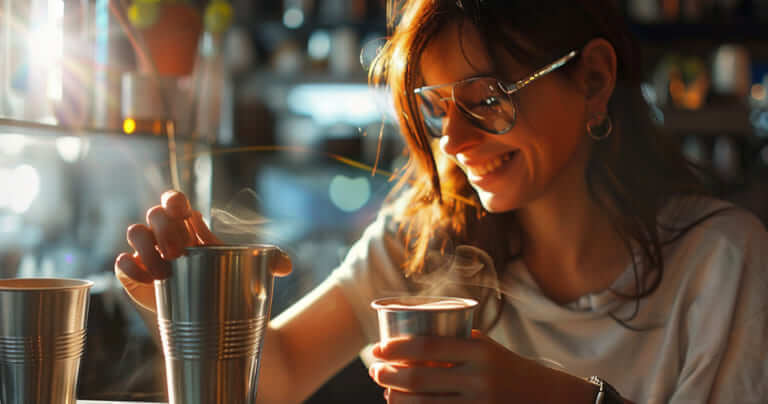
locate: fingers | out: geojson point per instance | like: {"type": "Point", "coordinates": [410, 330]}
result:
{"type": "Point", "coordinates": [176, 205]}
{"type": "Point", "coordinates": [143, 293]}
{"type": "Point", "coordinates": [171, 227]}
{"type": "Point", "coordinates": [440, 349]}
{"type": "Point", "coordinates": [204, 235]}
{"type": "Point", "coordinates": [132, 267]}
{"type": "Point", "coordinates": [185, 225]}
{"type": "Point", "coordinates": [419, 379]}
{"type": "Point", "coordinates": [143, 240]}
{"type": "Point", "coordinates": [172, 234]}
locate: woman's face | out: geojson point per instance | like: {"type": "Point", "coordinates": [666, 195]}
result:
{"type": "Point", "coordinates": [546, 149]}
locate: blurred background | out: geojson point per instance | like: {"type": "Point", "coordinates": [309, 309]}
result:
{"type": "Point", "coordinates": [261, 109]}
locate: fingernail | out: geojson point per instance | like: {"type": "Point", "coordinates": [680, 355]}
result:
{"type": "Point", "coordinates": [374, 369]}
{"type": "Point", "coordinates": [126, 265]}
{"type": "Point", "coordinates": [378, 367]}
{"type": "Point", "coordinates": [167, 195]}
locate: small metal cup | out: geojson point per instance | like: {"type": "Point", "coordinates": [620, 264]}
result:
{"type": "Point", "coordinates": [424, 316]}
{"type": "Point", "coordinates": [212, 312]}
{"type": "Point", "coordinates": [42, 338]}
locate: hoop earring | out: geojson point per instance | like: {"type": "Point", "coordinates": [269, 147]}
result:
{"type": "Point", "coordinates": [600, 127]}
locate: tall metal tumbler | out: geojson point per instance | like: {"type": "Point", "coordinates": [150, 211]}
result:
{"type": "Point", "coordinates": [212, 312]}
{"type": "Point", "coordinates": [42, 338]}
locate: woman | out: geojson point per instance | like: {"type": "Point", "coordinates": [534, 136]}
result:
{"type": "Point", "coordinates": [531, 148]}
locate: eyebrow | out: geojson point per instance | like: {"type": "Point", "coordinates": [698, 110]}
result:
{"type": "Point", "coordinates": [491, 74]}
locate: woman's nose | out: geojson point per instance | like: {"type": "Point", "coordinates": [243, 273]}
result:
{"type": "Point", "coordinates": [458, 133]}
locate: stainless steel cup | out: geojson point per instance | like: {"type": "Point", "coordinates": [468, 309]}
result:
{"type": "Point", "coordinates": [424, 316]}
{"type": "Point", "coordinates": [42, 337]}
{"type": "Point", "coordinates": [212, 312]}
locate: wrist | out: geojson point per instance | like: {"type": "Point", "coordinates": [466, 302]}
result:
{"type": "Point", "coordinates": [559, 387]}
{"type": "Point", "coordinates": [605, 394]}
{"type": "Point", "coordinates": [573, 389]}
{"type": "Point", "coordinates": [568, 388]}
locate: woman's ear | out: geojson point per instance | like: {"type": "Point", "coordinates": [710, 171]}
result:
{"type": "Point", "coordinates": [598, 74]}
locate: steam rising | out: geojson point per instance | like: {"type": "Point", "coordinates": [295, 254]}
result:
{"type": "Point", "coordinates": [447, 273]}
{"type": "Point", "coordinates": [240, 222]}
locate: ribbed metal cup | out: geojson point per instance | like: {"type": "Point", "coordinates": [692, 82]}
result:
{"type": "Point", "coordinates": [412, 316]}
{"type": "Point", "coordinates": [42, 338]}
{"type": "Point", "coordinates": [212, 312]}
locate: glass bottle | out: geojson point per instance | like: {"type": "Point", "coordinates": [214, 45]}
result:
{"type": "Point", "coordinates": [213, 81]}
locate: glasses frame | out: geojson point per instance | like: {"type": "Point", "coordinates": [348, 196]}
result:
{"type": "Point", "coordinates": [507, 89]}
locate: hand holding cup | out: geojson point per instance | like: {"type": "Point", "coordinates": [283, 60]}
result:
{"type": "Point", "coordinates": [170, 227]}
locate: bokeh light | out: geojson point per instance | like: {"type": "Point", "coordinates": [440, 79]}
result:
{"type": "Point", "coordinates": [129, 126]}
{"type": "Point", "coordinates": [349, 194]}
{"type": "Point", "coordinates": [293, 18]}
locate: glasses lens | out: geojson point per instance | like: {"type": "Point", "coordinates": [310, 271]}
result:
{"type": "Point", "coordinates": [486, 105]}
{"type": "Point", "coordinates": [433, 110]}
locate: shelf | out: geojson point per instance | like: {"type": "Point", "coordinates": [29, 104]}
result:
{"type": "Point", "coordinates": [11, 126]}
{"type": "Point", "coordinates": [308, 76]}
{"type": "Point", "coordinates": [709, 120]}
{"type": "Point", "coordinates": [712, 32]}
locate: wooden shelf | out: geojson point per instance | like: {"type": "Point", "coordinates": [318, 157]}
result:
{"type": "Point", "coordinates": [709, 120]}
{"type": "Point", "coordinates": [738, 31]}
{"type": "Point", "coordinates": [30, 128]}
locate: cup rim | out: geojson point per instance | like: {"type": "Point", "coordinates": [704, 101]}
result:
{"type": "Point", "coordinates": [382, 304]}
{"type": "Point", "coordinates": [40, 284]}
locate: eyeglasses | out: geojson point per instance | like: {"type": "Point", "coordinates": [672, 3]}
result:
{"type": "Point", "coordinates": [485, 101]}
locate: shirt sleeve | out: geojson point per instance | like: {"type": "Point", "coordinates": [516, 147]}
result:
{"type": "Point", "coordinates": [726, 354]}
{"type": "Point", "coordinates": [372, 269]}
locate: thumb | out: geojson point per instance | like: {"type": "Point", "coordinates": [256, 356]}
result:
{"type": "Point", "coordinates": [141, 293]}
{"type": "Point", "coordinates": [281, 265]}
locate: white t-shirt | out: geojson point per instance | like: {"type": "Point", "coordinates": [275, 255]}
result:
{"type": "Point", "coordinates": [704, 335]}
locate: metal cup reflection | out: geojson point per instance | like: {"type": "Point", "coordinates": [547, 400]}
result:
{"type": "Point", "coordinates": [42, 338]}
{"type": "Point", "coordinates": [212, 312]}
{"type": "Point", "coordinates": [424, 316]}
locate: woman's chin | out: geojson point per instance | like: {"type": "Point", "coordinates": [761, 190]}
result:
{"type": "Point", "coordinates": [494, 203]}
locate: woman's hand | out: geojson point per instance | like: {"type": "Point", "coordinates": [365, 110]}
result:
{"type": "Point", "coordinates": [171, 226]}
{"type": "Point", "coordinates": [476, 370]}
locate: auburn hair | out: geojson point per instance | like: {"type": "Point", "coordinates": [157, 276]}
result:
{"type": "Point", "coordinates": [631, 174]}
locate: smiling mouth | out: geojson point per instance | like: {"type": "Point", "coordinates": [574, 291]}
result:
{"type": "Point", "coordinates": [491, 166]}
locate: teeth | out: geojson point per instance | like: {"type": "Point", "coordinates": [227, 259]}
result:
{"type": "Point", "coordinates": [491, 165]}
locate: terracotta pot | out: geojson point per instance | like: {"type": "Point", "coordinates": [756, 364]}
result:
{"type": "Point", "coordinates": [172, 39]}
